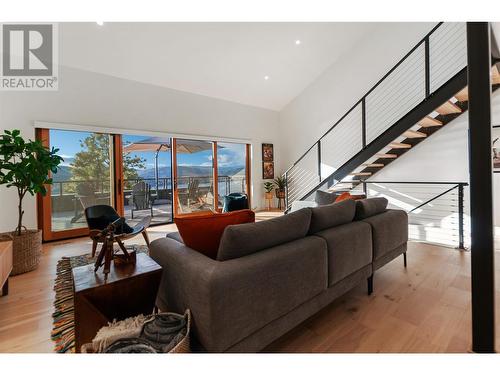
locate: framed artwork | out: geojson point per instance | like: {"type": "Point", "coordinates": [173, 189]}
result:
{"type": "Point", "coordinates": [267, 152]}
{"type": "Point", "coordinates": [267, 170]}
{"type": "Point", "coordinates": [495, 137]}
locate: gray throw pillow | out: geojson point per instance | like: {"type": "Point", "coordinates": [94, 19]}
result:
{"type": "Point", "coordinates": [370, 207]}
{"type": "Point", "coordinates": [245, 239]}
{"type": "Point", "coordinates": [324, 217]}
{"type": "Point", "coordinates": [322, 198]}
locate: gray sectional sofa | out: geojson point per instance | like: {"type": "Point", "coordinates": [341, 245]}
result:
{"type": "Point", "coordinates": [270, 276]}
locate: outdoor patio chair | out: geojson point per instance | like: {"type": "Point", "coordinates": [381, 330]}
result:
{"type": "Point", "coordinates": [191, 194]}
{"type": "Point", "coordinates": [141, 198]}
{"type": "Point", "coordinates": [85, 197]}
{"type": "Point", "coordinates": [101, 216]}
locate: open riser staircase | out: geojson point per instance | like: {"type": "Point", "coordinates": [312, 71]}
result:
{"type": "Point", "coordinates": [426, 90]}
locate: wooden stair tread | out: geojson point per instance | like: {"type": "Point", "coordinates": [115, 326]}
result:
{"type": "Point", "coordinates": [399, 145]}
{"type": "Point", "coordinates": [338, 187]}
{"type": "Point", "coordinates": [374, 165]}
{"type": "Point", "coordinates": [462, 95]}
{"type": "Point", "coordinates": [386, 156]}
{"type": "Point", "coordinates": [414, 134]}
{"type": "Point", "coordinates": [495, 76]}
{"type": "Point", "coordinates": [448, 108]}
{"type": "Point", "coordinates": [360, 174]}
{"type": "Point", "coordinates": [428, 122]}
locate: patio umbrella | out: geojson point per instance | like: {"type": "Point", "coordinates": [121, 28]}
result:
{"type": "Point", "coordinates": [158, 144]}
{"type": "Point", "coordinates": [155, 144]}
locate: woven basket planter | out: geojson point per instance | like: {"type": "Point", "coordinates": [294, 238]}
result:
{"type": "Point", "coordinates": [26, 250]}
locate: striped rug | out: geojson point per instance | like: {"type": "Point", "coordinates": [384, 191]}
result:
{"type": "Point", "coordinates": [63, 331]}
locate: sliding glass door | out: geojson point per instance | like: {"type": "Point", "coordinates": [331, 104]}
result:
{"type": "Point", "coordinates": [139, 176]}
{"type": "Point", "coordinates": [194, 176]}
{"type": "Point", "coordinates": [232, 169]}
{"type": "Point", "coordinates": [147, 178]}
{"type": "Point", "coordinates": [205, 172]}
{"type": "Point", "coordinates": [85, 178]}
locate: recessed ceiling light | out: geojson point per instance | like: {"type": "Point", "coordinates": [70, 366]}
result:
{"type": "Point", "coordinates": [297, 42]}
{"type": "Point", "coordinates": [100, 23]}
{"type": "Point", "coordinates": [266, 77]}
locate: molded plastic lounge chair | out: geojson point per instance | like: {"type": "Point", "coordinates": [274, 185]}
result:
{"type": "Point", "coordinates": [100, 216]}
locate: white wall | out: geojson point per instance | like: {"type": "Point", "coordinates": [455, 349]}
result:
{"type": "Point", "coordinates": [103, 101]}
{"type": "Point", "coordinates": [331, 95]}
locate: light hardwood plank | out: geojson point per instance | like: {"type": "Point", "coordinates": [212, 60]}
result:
{"type": "Point", "coordinates": [423, 308]}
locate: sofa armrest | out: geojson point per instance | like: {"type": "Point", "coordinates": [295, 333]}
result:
{"type": "Point", "coordinates": [186, 275]}
{"type": "Point", "coordinates": [230, 300]}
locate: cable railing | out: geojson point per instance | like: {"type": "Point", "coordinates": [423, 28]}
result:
{"type": "Point", "coordinates": [429, 65]}
{"type": "Point", "coordinates": [438, 212]}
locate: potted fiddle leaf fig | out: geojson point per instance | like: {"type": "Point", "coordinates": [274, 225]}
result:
{"type": "Point", "coordinates": [25, 166]}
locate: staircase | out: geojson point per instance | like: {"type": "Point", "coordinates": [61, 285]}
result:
{"type": "Point", "coordinates": [423, 92]}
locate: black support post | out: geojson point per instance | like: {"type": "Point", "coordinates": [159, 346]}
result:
{"type": "Point", "coordinates": [461, 216]}
{"type": "Point", "coordinates": [319, 160]}
{"type": "Point", "coordinates": [363, 122]}
{"type": "Point", "coordinates": [427, 68]}
{"type": "Point", "coordinates": [481, 192]}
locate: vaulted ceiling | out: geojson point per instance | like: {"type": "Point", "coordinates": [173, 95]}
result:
{"type": "Point", "coordinates": [260, 64]}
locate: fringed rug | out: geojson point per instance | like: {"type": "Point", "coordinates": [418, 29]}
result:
{"type": "Point", "coordinates": [63, 331]}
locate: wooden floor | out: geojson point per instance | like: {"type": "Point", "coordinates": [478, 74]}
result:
{"type": "Point", "coordinates": [424, 308]}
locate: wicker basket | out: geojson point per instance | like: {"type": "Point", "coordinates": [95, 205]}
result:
{"type": "Point", "coordinates": [182, 347]}
{"type": "Point", "coordinates": [26, 250]}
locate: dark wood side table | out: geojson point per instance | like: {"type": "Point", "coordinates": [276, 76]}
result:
{"type": "Point", "coordinates": [129, 290]}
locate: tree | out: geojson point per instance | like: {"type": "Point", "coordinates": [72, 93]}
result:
{"type": "Point", "coordinates": [92, 164]}
{"type": "Point", "coordinates": [25, 165]}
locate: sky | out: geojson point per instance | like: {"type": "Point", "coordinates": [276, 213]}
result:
{"type": "Point", "coordinates": [229, 154]}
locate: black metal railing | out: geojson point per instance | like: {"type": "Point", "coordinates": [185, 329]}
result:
{"type": "Point", "coordinates": [438, 60]}
{"type": "Point", "coordinates": [436, 210]}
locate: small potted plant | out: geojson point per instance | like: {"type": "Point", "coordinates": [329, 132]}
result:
{"type": "Point", "coordinates": [268, 187]}
{"type": "Point", "coordinates": [280, 183]}
{"type": "Point", "coordinates": [25, 166]}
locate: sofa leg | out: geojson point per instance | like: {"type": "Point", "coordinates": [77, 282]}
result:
{"type": "Point", "coordinates": [370, 285]}
{"type": "Point", "coordinates": [5, 288]}
{"type": "Point", "coordinates": [404, 259]}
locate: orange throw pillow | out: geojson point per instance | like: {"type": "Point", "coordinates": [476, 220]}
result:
{"type": "Point", "coordinates": [203, 232]}
{"type": "Point", "coordinates": [343, 197]}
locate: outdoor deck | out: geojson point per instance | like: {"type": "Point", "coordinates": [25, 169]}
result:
{"type": "Point", "coordinates": [162, 214]}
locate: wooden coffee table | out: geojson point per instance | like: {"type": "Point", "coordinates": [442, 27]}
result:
{"type": "Point", "coordinates": [129, 290]}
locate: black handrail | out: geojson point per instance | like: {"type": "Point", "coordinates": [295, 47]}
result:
{"type": "Point", "coordinates": [425, 40]}
{"type": "Point", "coordinates": [418, 182]}
{"type": "Point", "coordinates": [452, 86]}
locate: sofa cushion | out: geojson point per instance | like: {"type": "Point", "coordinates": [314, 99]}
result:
{"type": "Point", "coordinates": [175, 236]}
{"type": "Point", "coordinates": [344, 196]}
{"type": "Point", "coordinates": [331, 215]}
{"type": "Point", "coordinates": [389, 231]}
{"type": "Point", "coordinates": [370, 207]}
{"type": "Point", "coordinates": [349, 249]}
{"type": "Point", "coordinates": [323, 198]}
{"type": "Point", "coordinates": [240, 240]}
{"type": "Point", "coordinates": [203, 232]}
